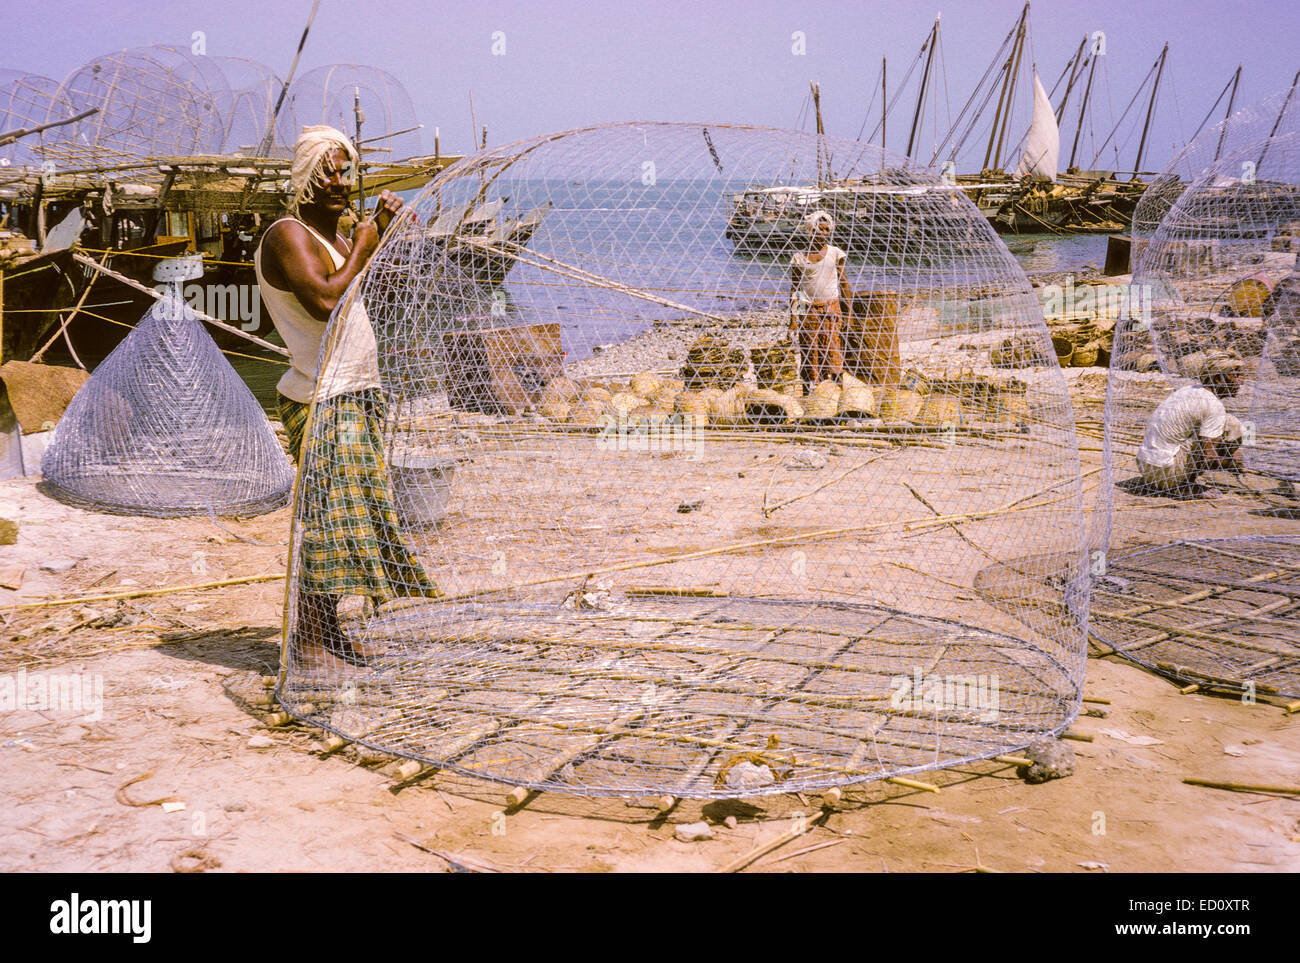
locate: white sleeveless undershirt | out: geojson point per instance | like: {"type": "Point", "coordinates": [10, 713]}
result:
{"type": "Point", "coordinates": [818, 280]}
{"type": "Point", "coordinates": [353, 364]}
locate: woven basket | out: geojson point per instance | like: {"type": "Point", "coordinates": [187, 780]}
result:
{"type": "Point", "coordinates": [1064, 348]}
{"type": "Point", "coordinates": [558, 398]}
{"type": "Point", "coordinates": [1084, 355]}
{"type": "Point", "coordinates": [644, 385]}
{"type": "Point", "coordinates": [940, 411]}
{"type": "Point", "coordinates": [767, 408]}
{"type": "Point", "coordinates": [822, 403]}
{"type": "Point", "coordinates": [590, 407]}
{"type": "Point", "coordinates": [1247, 297]}
{"type": "Point", "coordinates": [776, 368]}
{"type": "Point", "coordinates": [856, 398]}
{"type": "Point", "coordinates": [624, 403]}
{"type": "Point", "coordinates": [871, 338]}
{"type": "Point", "coordinates": [693, 408]}
{"type": "Point", "coordinates": [727, 408]}
{"type": "Point", "coordinates": [900, 404]}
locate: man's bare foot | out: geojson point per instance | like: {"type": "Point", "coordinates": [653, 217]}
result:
{"type": "Point", "coordinates": [316, 659]}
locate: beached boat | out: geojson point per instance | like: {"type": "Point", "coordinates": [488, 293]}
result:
{"type": "Point", "coordinates": [481, 241]}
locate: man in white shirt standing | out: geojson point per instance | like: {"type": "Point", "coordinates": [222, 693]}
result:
{"type": "Point", "coordinates": [817, 285]}
{"type": "Point", "coordinates": [1191, 432]}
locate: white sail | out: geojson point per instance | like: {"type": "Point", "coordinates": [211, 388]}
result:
{"type": "Point", "coordinates": [1043, 145]}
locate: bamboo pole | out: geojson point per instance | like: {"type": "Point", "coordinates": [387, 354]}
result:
{"type": "Point", "coordinates": [142, 593]}
{"type": "Point", "coordinates": [1243, 787]}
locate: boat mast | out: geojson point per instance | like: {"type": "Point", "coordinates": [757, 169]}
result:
{"type": "Point", "coordinates": [1278, 122]}
{"type": "Point", "coordinates": [1076, 68]}
{"type": "Point", "coordinates": [1007, 69]}
{"type": "Point", "coordinates": [925, 82]}
{"type": "Point", "coordinates": [821, 129]}
{"type": "Point", "coordinates": [1151, 106]}
{"type": "Point", "coordinates": [1083, 111]}
{"type": "Point", "coordinates": [1232, 97]}
{"type": "Point", "coordinates": [1011, 92]}
{"type": "Point", "coordinates": [265, 147]}
{"type": "Point", "coordinates": [884, 103]}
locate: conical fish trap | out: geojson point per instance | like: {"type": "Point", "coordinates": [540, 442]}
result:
{"type": "Point", "coordinates": [165, 427]}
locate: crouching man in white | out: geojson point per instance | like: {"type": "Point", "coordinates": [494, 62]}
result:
{"type": "Point", "coordinates": [1191, 432]}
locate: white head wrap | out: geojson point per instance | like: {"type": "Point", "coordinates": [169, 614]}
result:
{"type": "Point", "coordinates": [816, 218]}
{"type": "Point", "coordinates": [309, 153]}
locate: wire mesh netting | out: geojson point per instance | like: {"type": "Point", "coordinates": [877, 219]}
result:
{"type": "Point", "coordinates": [247, 103]}
{"type": "Point", "coordinates": [1198, 520]}
{"type": "Point", "coordinates": [165, 427]}
{"type": "Point", "coordinates": [648, 501]}
{"type": "Point", "coordinates": [27, 101]}
{"type": "Point", "coordinates": [330, 94]}
{"type": "Point", "coordinates": [151, 101]}
{"type": "Point", "coordinates": [1246, 126]}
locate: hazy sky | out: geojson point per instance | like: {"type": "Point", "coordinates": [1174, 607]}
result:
{"type": "Point", "coordinates": [574, 62]}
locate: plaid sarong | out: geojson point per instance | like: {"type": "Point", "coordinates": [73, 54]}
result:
{"type": "Point", "coordinates": [351, 542]}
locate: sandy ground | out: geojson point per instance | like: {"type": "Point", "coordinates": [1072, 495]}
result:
{"type": "Point", "coordinates": [180, 724]}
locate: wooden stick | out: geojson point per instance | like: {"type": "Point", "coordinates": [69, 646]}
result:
{"type": "Point", "coordinates": [1243, 787]}
{"type": "Point", "coordinates": [143, 593]}
{"type": "Point", "coordinates": [912, 784]}
{"type": "Point", "coordinates": [129, 282]}
{"type": "Point", "coordinates": [1014, 760]}
{"type": "Point", "coordinates": [1095, 699]}
{"type": "Point", "coordinates": [1076, 736]}
{"type": "Point", "coordinates": [66, 321]}
{"type": "Point", "coordinates": [1183, 671]}
{"type": "Point", "coordinates": [758, 852]}
{"type": "Point", "coordinates": [546, 263]}
{"type": "Point", "coordinates": [408, 770]}
{"type": "Point", "coordinates": [769, 510]}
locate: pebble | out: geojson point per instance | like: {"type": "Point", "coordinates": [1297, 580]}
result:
{"type": "Point", "coordinates": [260, 741]}
{"type": "Point", "coordinates": [807, 459]}
{"type": "Point", "coordinates": [1051, 758]}
{"type": "Point", "coordinates": [693, 832]}
{"type": "Point", "coordinates": [58, 565]}
{"type": "Point", "coordinates": [730, 822]}
{"type": "Point", "coordinates": [746, 775]}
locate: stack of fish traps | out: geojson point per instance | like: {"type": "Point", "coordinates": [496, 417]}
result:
{"type": "Point", "coordinates": [776, 368]}
{"type": "Point", "coordinates": [712, 363]}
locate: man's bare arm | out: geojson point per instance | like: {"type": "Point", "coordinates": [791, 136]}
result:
{"type": "Point", "coordinates": [292, 262]}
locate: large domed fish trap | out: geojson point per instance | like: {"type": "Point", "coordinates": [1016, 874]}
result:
{"type": "Point", "coordinates": [165, 427]}
{"type": "Point", "coordinates": [1198, 555]}
{"type": "Point", "coordinates": [677, 549]}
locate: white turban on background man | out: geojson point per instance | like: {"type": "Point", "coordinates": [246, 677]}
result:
{"type": "Point", "coordinates": [816, 219]}
{"type": "Point", "coordinates": [311, 148]}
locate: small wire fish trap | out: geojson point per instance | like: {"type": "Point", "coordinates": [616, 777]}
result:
{"type": "Point", "coordinates": [165, 427]}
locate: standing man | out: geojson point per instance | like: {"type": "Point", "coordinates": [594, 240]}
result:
{"type": "Point", "coordinates": [350, 541]}
{"type": "Point", "coordinates": [817, 284]}
{"type": "Point", "coordinates": [1190, 431]}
